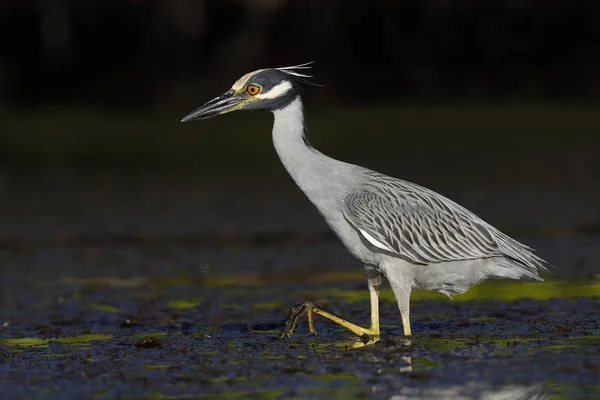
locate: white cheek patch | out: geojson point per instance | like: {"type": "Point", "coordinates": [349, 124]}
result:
{"type": "Point", "coordinates": [277, 91]}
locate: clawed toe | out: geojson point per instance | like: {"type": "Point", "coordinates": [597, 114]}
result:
{"type": "Point", "coordinates": [297, 312]}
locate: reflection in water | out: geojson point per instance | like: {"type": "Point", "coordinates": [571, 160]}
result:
{"type": "Point", "coordinates": [474, 390]}
{"type": "Point", "coordinates": [468, 390]}
{"type": "Point", "coordinates": [406, 367]}
{"type": "Point", "coordinates": [359, 344]}
{"type": "Point", "coordinates": [407, 360]}
{"type": "Point", "coordinates": [371, 341]}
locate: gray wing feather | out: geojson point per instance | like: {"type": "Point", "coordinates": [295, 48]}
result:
{"type": "Point", "coordinates": [423, 227]}
{"type": "Point", "coordinates": [419, 233]}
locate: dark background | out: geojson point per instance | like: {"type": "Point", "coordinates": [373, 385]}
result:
{"type": "Point", "coordinates": [146, 54]}
{"type": "Point", "coordinates": [149, 57]}
{"type": "Point", "coordinates": [103, 83]}
{"type": "Point", "coordinates": [492, 103]}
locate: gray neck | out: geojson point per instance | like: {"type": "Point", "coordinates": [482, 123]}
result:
{"type": "Point", "coordinates": [307, 166]}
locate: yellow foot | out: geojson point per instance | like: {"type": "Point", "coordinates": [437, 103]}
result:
{"type": "Point", "coordinates": [308, 308]}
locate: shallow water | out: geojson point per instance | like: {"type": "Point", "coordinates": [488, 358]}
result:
{"type": "Point", "coordinates": [145, 288]}
{"type": "Point", "coordinates": [219, 337]}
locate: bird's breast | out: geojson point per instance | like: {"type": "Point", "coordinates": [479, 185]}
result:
{"type": "Point", "coordinates": [349, 237]}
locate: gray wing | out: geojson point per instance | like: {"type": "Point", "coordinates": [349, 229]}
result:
{"type": "Point", "coordinates": [417, 227]}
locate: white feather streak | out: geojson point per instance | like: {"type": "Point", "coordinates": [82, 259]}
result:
{"type": "Point", "coordinates": [299, 66]}
{"type": "Point", "coordinates": [374, 241]}
{"type": "Point", "coordinates": [277, 91]}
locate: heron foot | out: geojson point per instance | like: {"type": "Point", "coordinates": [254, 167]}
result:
{"type": "Point", "coordinates": [308, 308]}
{"type": "Point", "coordinates": [297, 312]}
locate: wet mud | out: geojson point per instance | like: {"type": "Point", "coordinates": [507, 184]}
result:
{"type": "Point", "coordinates": [218, 338]}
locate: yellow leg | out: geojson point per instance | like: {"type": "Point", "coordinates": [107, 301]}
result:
{"type": "Point", "coordinates": [402, 291]}
{"type": "Point", "coordinates": [309, 308]}
{"type": "Point", "coordinates": [406, 323]}
{"type": "Point", "coordinates": [374, 297]}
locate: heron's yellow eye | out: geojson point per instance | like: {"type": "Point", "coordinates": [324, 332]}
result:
{"type": "Point", "coordinates": [253, 90]}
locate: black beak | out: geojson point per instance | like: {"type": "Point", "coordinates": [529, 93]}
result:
{"type": "Point", "coordinates": [227, 102]}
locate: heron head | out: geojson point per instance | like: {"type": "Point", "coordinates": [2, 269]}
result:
{"type": "Point", "coordinates": [265, 89]}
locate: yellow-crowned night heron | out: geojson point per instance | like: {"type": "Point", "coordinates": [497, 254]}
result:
{"type": "Point", "coordinates": [413, 236]}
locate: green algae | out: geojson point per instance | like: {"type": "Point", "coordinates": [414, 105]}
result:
{"type": "Point", "coordinates": [238, 284]}
{"type": "Point", "coordinates": [442, 344]}
{"type": "Point", "coordinates": [150, 334]}
{"type": "Point", "coordinates": [591, 338]}
{"type": "Point", "coordinates": [183, 304]}
{"type": "Point", "coordinates": [560, 347]}
{"type": "Point", "coordinates": [349, 390]}
{"type": "Point", "coordinates": [272, 357]}
{"type": "Point", "coordinates": [74, 340]}
{"type": "Point", "coordinates": [125, 283]}
{"type": "Point", "coordinates": [424, 363]}
{"type": "Point", "coordinates": [102, 307]}
{"type": "Point", "coordinates": [235, 394]}
{"type": "Point", "coordinates": [268, 305]}
{"type": "Point", "coordinates": [330, 376]}
{"type": "Point", "coordinates": [513, 290]}
{"type": "Point", "coordinates": [507, 342]}
{"type": "Point", "coordinates": [268, 331]}
{"type": "Point", "coordinates": [562, 390]}
{"type": "Point", "coordinates": [24, 342]}
{"type": "Point", "coordinates": [507, 290]}
{"type": "Point", "coordinates": [227, 378]}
